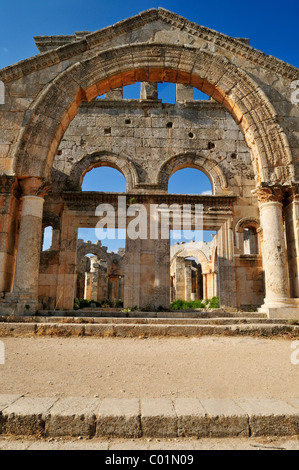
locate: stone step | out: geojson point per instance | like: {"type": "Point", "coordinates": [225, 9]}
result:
{"type": "Point", "coordinates": [130, 330]}
{"type": "Point", "coordinates": [150, 417]}
{"type": "Point", "coordinates": [98, 313]}
{"type": "Point", "coordinates": [149, 321]}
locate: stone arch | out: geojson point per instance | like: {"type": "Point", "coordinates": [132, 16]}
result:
{"type": "Point", "coordinates": [103, 158]}
{"type": "Point", "coordinates": [215, 75]}
{"type": "Point", "coordinates": [95, 249]}
{"type": "Point", "coordinates": [208, 166]}
{"type": "Point", "coordinates": [187, 252]}
{"type": "Point", "coordinates": [250, 223]}
{"type": "Point", "coordinates": [51, 220]}
{"type": "Point", "coordinates": [246, 222]}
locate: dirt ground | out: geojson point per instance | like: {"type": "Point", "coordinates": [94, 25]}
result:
{"type": "Point", "coordinates": [220, 367]}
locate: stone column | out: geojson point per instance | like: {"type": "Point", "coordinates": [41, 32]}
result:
{"type": "Point", "coordinates": [183, 92]}
{"type": "Point", "coordinates": [24, 298]}
{"type": "Point", "coordinates": [188, 280]}
{"type": "Point", "coordinates": [8, 224]}
{"type": "Point", "coordinates": [204, 286]}
{"type": "Point", "coordinates": [226, 265]}
{"type": "Point", "coordinates": [291, 215]}
{"type": "Point", "coordinates": [275, 263]}
{"type": "Point", "coordinates": [148, 91]}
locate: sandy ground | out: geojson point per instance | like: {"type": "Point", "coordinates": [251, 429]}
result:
{"type": "Point", "coordinates": [204, 367]}
{"type": "Point", "coordinates": [150, 445]}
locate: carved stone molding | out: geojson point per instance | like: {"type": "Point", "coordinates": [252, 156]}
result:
{"type": "Point", "coordinates": [270, 194]}
{"type": "Point", "coordinates": [34, 187]}
{"type": "Point", "coordinates": [292, 194]}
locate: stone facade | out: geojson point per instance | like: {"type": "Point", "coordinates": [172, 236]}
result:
{"type": "Point", "coordinates": [53, 129]}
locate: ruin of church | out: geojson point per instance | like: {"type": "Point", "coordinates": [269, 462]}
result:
{"type": "Point", "coordinates": [64, 113]}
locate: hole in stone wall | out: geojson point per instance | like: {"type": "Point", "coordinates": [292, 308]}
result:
{"type": "Point", "coordinates": [191, 135]}
{"type": "Point", "coordinates": [127, 121]}
{"type": "Point", "coordinates": [169, 125]}
{"type": "Point", "coordinates": [107, 131]}
{"type": "Point", "coordinates": [211, 145]}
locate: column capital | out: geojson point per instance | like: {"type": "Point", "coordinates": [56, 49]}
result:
{"type": "Point", "coordinates": [292, 194]}
{"type": "Point", "coordinates": [34, 186]}
{"type": "Point", "coordinates": [270, 193]}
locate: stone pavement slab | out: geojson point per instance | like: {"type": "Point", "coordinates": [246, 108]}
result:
{"type": "Point", "coordinates": [226, 418]}
{"type": "Point", "coordinates": [26, 416]}
{"type": "Point", "coordinates": [268, 416]}
{"type": "Point", "coordinates": [148, 418]}
{"type": "Point", "coordinates": [192, 419]}
{"type": "Point", "coordinates": [119, 418]}
{"type": "Point", "coordinates": [72, 417]}
{"type": "Point", "coordinates": [158, 418]}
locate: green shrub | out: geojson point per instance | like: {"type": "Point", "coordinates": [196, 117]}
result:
{"type": "Point", "coordinates": [183, 304]}
{"type": "Point", "coordinates": [214, 302]}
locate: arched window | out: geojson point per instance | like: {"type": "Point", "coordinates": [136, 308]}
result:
{"type": "Point", "coordinates": [189, 181]}
{"type": "Point", "coordinates": [104, 178]}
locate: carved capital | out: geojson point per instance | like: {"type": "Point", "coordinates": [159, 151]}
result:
{"type": "Point", "coordinates": [269, 194]}
{"type": "Point", "coordinates": [34, 187]}
{"type": "Point", "coordinates": [292, 194]}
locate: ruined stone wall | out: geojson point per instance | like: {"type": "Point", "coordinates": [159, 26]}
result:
{"type": "Point", "coordinates": [148, 134]}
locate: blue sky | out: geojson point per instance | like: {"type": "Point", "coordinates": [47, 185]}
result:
{"type": "Point", "coordinates": [271, 26]}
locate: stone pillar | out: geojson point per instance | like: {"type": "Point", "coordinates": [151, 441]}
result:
{"type": "Point", "coordinates": [179, 278]}
{"type": "Point", "coordinates": [226, 266]}
{"type": "Point", "coordinates": [147, 266]}
{"type": "Point", "coordinates": [291, 216]}
{"type": "Point", "coordinates": [8, 225]}
{"type": "Point", "coordinates": [115, 95]}
{"type": "Point", "coordinates": [148, 91]}
{"type": "Point", "coordinates": [88, 286]}
{"type": "Point", "coordinates": [24, 298]}
{"type": "Point", "coordinates": [183, 92]}
{"type": "Point", "coordinates": [67, 276]}
{"type": "Point", "coordinates": [204, 286]}
{"type": "Point", "coordinates": [277, 301]}
{"type": "Point", "coordinates": [188, 280]}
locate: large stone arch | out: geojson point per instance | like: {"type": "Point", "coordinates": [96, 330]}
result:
{"type": "Point", "coordinates": [103, 158]}
{"type": "Point", "coordinates": [190, 160]}
{"type": "Point", "coordinates": [215, 75]}
{"type": "Point", "coordinates": [187, 252]}
{"type": "Point", "coordinates": [94, 249]}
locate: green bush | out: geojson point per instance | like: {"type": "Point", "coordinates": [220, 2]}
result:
{"type": "Point", "coordinates": [183, 304]}
{"type": "Point", "coordinates": [214, 302]}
